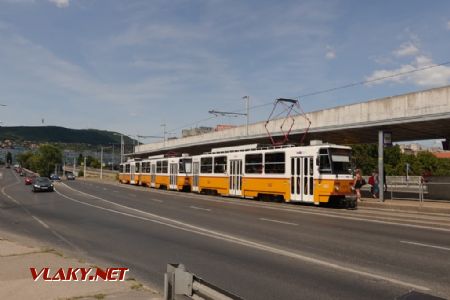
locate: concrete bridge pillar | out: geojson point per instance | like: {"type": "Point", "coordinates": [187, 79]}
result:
{"type": "Point", "coordinates": [381, 164]}
{"type": "Point", "coordinates": [446, 144]}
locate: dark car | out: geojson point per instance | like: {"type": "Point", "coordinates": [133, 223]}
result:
{"type": "Point", "coordinates": [54, 177]}
{"type": "Point", "coordinates": [43, 184]}
{"type": "Point", "coordinates": [70, 176]}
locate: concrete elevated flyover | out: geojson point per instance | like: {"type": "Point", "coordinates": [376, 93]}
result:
{"type": "Point", "coordinates": [413, 116]}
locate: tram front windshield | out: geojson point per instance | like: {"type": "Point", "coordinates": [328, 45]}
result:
{"type": "Point", "coordinates": [334, 161]}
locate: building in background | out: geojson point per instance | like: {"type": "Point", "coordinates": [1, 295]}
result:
{"type": "Point", "coordinates": [196, 131]}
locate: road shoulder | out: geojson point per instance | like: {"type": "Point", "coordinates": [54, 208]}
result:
{"type": "Point", "coordinates": [19, 254]}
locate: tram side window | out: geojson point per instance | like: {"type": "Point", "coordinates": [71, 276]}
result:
{"type": "Point", "coordinates": [274, 163]}
{"type": "Point", "coordinates": [164, 168]}
{"type": "Point", "coordinates": [220, 164]}
{"type": "Point", "coordinates": [147, 167]}
{"type": "Point", "coordinates": [159, 166]}
{"type": "Point", "coordinates": [206, 165]}
{"type": "Point", "coordinates": [127, 168]}
{"type": "Point", "coordinates": [138, 168]}
{"type": "Point", "coordinates": [253, 164]}
{"type": "Point", "coordinates": [324, 162]}
{"type": "Point", "coordinates": [121, 169]}
{"type": "Point", "coordinates": [185, 166]}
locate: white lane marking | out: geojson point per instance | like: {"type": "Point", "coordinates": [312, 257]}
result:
{"type": "Point", "coordinates": [66, 240]}
{"type": "Point", "coordinates": [105, 189]}
{"type": "Point", "coordinates": [425, 245]}
{"type": "Point", "coordinates": [236, 240]}
{"type": "Point", "coordinates": [277, 221]}
{"type": "Point", "coordinates": [131, 195]}
{"type": "Point", "coordinates": [313, 211]}
{"type": "Point", "coordinates": [37, 219]}
{"type": "Point", "coordinates": [200, 208]}
{"type": "Point", "coordinates": [41, 222]}
{"type": "Point", "coordinates": [157, 200]}
{"type": "Point", "coordinates": [303, 210]}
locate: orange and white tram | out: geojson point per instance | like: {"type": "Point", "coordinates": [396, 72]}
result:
{"type": "Point", "coordinates": [172, 173]}
{"type": "Point", "coordinates": [129, 172]}
{"type": "Point", "coordinates": [310, 174]}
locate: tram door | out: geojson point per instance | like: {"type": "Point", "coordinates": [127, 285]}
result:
{"type": "Point", "coordinates": [302, 179]}
{"type": "Point", "coordinates": [153, 176]}
{"type": "Point", "coordinates": [173, 176]}
{"type": "Point", "coordinates": [132, 173]}
{"type": "Point", "coordinates": [195, 170]}
{"type": "Point", "coordinates": [235, 177]}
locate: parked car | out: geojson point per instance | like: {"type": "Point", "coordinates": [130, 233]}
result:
{"type": "Point", "coordinates": [28, 180]}
{"type": "Point", "coordinates": [54, 177]}
{"type": "Point", "coordinates": [43, 184]}
{"type": "Point", "coordinates": [70, 176]}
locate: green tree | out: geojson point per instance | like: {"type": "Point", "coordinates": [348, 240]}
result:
{"type": "Point", "coordinates": [80, 159]}
{"type": "Point", "coordinates": [46, 158]}
{"type": "Point", "coordinates": [94, 163]}
{"type": "Point", "coordinates": [365, 157]}
{"type": "Point", "coordinates": [24, 159]}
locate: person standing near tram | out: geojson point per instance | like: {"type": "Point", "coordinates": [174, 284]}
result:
{"type": "Point", "coordinates": [357, 184]}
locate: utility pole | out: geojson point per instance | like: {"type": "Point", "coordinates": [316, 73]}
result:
{"type": "Point", "coordinates": [122, 148]}
{"type": "Point", "coordinates": [74, 164]}
{"type": "Point", "coordinates": [101, 162]}
{"type": "Point", "coordinates": [84, 172]}
{"type": "Point", "coordinates": [247, 109]}
{"type": "Point", "coordinates": [112, 158]}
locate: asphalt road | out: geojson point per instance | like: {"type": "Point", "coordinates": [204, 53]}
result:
{"type": "Point", "coordinates": [257, 250]}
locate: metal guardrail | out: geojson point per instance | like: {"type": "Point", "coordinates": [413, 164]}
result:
{"type": "Point", "coordinates": [181, 284]}
{"type": "Point", "coordinates": [419, 190]}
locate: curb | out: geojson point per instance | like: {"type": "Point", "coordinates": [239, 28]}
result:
{"type": "Point", "coordinates": [445, 208]}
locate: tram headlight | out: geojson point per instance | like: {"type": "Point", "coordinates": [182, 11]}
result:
{"type": "Point", "coordinates": [337, 186]}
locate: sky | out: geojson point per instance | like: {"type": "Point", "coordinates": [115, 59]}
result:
{"type": "Point", "coordinates": [130, 66]}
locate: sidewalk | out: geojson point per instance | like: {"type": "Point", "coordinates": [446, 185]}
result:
{"type": "Point", "coordinates": [16, 281]}
{"type": "Point", "coordinates": [408, 205]}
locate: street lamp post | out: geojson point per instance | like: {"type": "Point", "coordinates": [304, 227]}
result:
{"type": "Point", "coordinates": [234, 114]}
{"type": "Point", "coordinates": [164, 133]}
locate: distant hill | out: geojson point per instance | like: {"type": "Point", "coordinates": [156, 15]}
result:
{"type": "Point", "coordinates": [55, 134]}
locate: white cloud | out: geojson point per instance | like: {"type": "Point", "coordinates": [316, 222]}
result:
{"type": "Point", "coordinates": [331, 53]}
{"type": "Point", "coordinates": [406, 49]}
{"type": "Point", "coordinates": [448, 25]}
{"type": "Point", "coordinates": [428, 77]}
{"type": "Point", "coordinates": [60, 3]}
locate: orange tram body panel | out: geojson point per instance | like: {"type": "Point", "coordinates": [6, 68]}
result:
{"type": "Point", "coordinates": [307, 174]}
